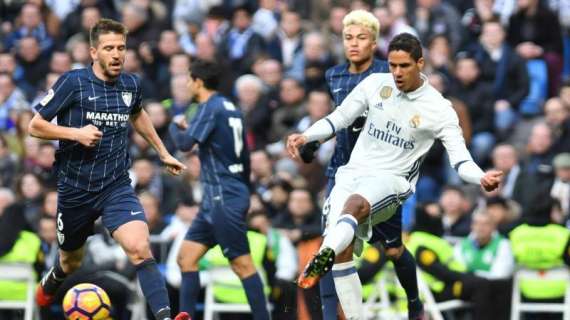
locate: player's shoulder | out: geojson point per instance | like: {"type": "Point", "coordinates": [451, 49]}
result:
{"type": "Point", "coordinates": [130, 81]}
{"type": "Point", "coordinates": [336, 70]}
{"type": "Point", "coordinates": [73, 75]}
{"type": "Point", "coordinates": [378, 79]}
{"type": "Point", "coordinates": [380, 66]}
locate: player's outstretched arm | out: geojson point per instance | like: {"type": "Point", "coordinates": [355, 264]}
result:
{"type": "Point", "coordinates": [142, 124]}
{"type": "Point", "coordinates": [87, 136]}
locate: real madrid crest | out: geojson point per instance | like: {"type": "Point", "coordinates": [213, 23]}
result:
{"type": "Point", "coordinates": [415, 121]}
{"type": "Point", "coordinates": [385, 92]}
{"type": "Point", "coordinates": [127, 97]}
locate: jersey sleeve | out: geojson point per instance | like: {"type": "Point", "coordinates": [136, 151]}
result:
{"type": "Point", "coordinates": [58, 98]}
{"type": "Point", "coordinates": [344, 115]}
{"type": "Point", "coordinates": [198, 131]}
{"type": "Point", "coordinates": [451, 136]}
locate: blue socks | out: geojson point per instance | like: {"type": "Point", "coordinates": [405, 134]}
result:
{"type": "Point", "coordinates": [189, 290]}
{"type": "Point", "coordinates": [154, 288]}
{"type": "Point", "coordinates": [406, 271]}
{"type": "Point", "coordinates": [254, 291]}
{"type": "Point", "coordinates": [329, 300]}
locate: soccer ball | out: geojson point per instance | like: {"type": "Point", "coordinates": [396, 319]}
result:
{"type": "Point", "coordinates": [86, 301]}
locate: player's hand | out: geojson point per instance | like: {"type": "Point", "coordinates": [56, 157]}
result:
{"type": "Point", "coordinates": [294, 141]}
{"type": "Point", "coordinates": [88, 136]}
{"type": "Point", "coordinates": [491, 180]}
{"type": "Point", "coordinates": [180, 121]}
{"type": "Point", "coordinates": [173, 166]}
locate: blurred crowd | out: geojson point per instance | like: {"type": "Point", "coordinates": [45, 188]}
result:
{"type": "Point", "coordinates": [503, 63]}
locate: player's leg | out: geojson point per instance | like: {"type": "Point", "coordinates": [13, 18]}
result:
{"type": "Point", "coordinates": [230, 231]}
{"type": "Point", "coordinates": [389, 233]}
{"type": "Point", "coordinates": [198, 240]}
{"type": "Point", "coordinates": [327, 289]}
{"type": "Point", "coordinates": [333, 213]}
{"type": "Point", "coordinates": [347, 284]}
{"type": "Point", "coordinates": [123, 216]}
{"type": "Point", "coordinates": [65, 263]}
{"type": "Point", "coordinates": [74, 224]}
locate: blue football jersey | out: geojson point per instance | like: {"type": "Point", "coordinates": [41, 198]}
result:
{"type": "Point", "coordinates": [79, 98]}
{"type": "Point", "coordinates": [218, 129]}
{"type": "Point", "coordinates": [341, 82]}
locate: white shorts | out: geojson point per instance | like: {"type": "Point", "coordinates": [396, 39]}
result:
{"type": "Point", "coordinates": [383, 191]}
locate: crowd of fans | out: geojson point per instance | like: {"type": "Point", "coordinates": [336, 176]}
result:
{"type": "Point", "coordinates": [502, 63]}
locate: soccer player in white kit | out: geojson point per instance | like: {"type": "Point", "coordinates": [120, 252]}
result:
{"type": "Point", "coordinates": [405, 115]}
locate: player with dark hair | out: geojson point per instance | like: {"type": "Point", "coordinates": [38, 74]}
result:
{"type": "Point", "coordinates": [93, 107]}
{"type": "Point", "coordinates": [218, 130]}
{"type": "Point", "coordinates": [405, 115]}
{"type": "Point", "coordinates": [360, 31]}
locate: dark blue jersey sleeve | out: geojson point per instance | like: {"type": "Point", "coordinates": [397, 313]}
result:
{"type": "Point", "coordinates": [202, 124]}
{"type": "Point", "coordinates": [58, 98]}
{"type": "Point", "coordinates": [198, 131]}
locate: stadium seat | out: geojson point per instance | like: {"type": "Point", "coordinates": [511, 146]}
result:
{"type": "Point", "coordinates": [212, 307]}
{"type": "Point", "coordinates": [519, 306]}
{"type": "Point", "coordinates": [20, 273]}
{"type": "Point", "coordinates": [379, 306]}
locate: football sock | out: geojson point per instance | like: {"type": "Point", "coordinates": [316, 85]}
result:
{"type": "Point", "coordinates": [255, 297]}
{"type": "Point", "coordinates": [189, 290]}
{"type": "Point", "coordinates": [341, 235]}
{"type": "Point", "coordinates": [329, 300]}
{"type": "Point", "coordinates": [348, 290]}
{"type": "Point", "coordinates": [406, 271]}
{"type": "Point", "coordinates": [153, 287]}
{"type": "Point", "coordinates": [54, 278]}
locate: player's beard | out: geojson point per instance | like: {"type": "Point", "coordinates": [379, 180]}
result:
{"type": "Point", "coordinates": [106, 67]}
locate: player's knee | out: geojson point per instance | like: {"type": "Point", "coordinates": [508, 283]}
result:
{"type": "Point", "coordinates": [243, 266]}
{"type": "Point", "coordinates": [357, 206]}
{"type": "Point", "coordinates": [186, 262]}
{"type": "Point", "coordinates": [138, 251]}
{"type": "Point", "coordinates": [394, 253]}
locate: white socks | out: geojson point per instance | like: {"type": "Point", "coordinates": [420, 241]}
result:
{"type": "Point", "coordinates": [341, 235]}
{"type": "Point", "coordinates": [348, 290]}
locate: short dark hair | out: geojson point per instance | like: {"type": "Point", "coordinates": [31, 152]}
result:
{"type": "Point", "coordinates": [208, 72]}
{"type": "Point", "coordinates": [408, 43]}
{"type": "Point", "coordinates": [104, 26]}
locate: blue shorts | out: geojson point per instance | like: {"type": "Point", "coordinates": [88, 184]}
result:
{"type": "Point", "coordinates": [78, 209]}
{"type": "Point", "coordinates": [222, 222]}
{"type": "Point", "coordinates": [389, 232]}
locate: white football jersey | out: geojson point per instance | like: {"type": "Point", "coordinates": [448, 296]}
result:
{"type": "Point", "coordinates": [400, 127]}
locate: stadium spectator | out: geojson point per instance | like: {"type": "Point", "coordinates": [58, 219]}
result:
{"type": "Point", "coordinates": [390, 26]}
{"type": "Point", "coordinates": [538, 150]}
{"type": "Point", "coordinates": [31, 25]}
{"type": "Point", "coordinates": [34, 65]}
{"type": "Point", "coordinates": [561, 187]}
{"type": "Point", "coordinates": [505, 213]}
{"type": "Point", "coordinates": [535, 33]}
{"type": "Point", "coordinates": [436, 17]}
{"type": "Point", "coordinates": [8, 164]}
{"type": "Point", "coordinates": [478, 97]}
{"type": "Point", "coordinates": [557, 116]}
{"type": "Point", "coordinates": [455, 212]}
{"type": "Point", "coordinates": [289, 39]}
{"type": "Point", "coordinates": [251, 100]}
{"type": "Point", "coordinates": [12, 99]}
{"type": "Point", "coordinates": [290, 111]}
{"type": "Point", "coordinates": [485, 252]}
{"type": "Point", "coordinates": [505, 70]}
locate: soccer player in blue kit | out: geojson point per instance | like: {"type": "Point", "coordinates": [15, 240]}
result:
{"type": "Point", "coordinates": [218, 131]}
{"type": "Point", "coordinates": [360, 31]}
{"type": "Point", "coordinates": [93, 107]}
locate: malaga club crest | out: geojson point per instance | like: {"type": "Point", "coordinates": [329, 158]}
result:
{"type": "Point", "coordinates": [127, 97]}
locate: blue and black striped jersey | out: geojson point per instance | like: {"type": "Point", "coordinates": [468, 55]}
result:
{"type": "Point", "coordinates": [341, 82]}
{"type": "Point", "coordinates": [79, 98]}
